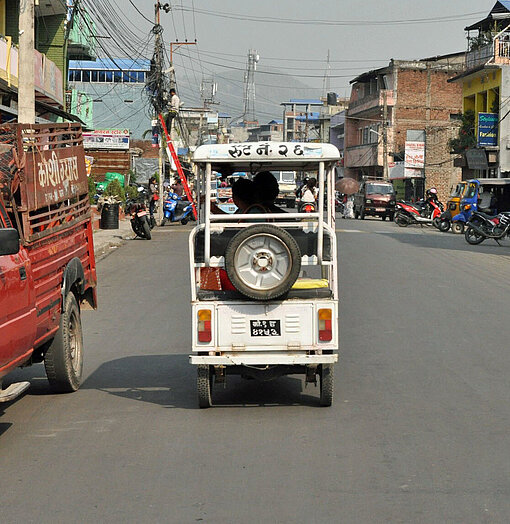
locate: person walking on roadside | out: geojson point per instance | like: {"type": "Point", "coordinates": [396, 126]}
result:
{"type": "Point", "coordinates": [153, 197]}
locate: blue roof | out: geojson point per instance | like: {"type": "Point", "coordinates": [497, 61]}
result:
{"type": "Point", "coordinates": [311, 116]}
{"type": "Point", "coordinates": [125, 64]}
{"type": "Point", "coordinates": [280, 122]}
{"type": "Point", "coordinates": [505, 3]}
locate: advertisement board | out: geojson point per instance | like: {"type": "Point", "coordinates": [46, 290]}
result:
{"type": "Point", "coordinates": [106, 139]}
{"type": "Point", "coordinates": [488, 129]}
{"type": "Point", "coordinates": [414, 155]}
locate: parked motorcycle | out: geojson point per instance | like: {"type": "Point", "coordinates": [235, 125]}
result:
{"type": "Point", "coordinates": [137, 208]}
{"type": "Point", "coordinates": [424, 212]}
{"type": "Point", "coordinates": [481, 226]}
{"type": "Point", "coordinates": [176, 210]}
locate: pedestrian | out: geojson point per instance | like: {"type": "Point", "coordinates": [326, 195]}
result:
{"type": "Point", "coordinates": [153, 197]}
{"type": "Point", "coordinates": [267, 189]}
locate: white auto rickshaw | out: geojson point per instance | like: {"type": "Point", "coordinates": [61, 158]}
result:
{"type": "Point", "coordinates": [264, 286]}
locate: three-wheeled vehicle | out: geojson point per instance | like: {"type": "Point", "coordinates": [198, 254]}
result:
{"type": "Point", "coordinates": [452, 206]}
{"type": "Point", "coordinates": [254, 312]}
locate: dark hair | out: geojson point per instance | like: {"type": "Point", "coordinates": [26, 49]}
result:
{"type": "Point", "coordinates": [266, 186]}
{"type": "Point", "coordinates": [311, 183]}
{"type": "Point", "coordinates": [172, 90]}
{"type": "Point", "coordinates": [244, 190]}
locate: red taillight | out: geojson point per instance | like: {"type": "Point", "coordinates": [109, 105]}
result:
{"type": "Point", "coordinates": [325, 328]}
{"type": "Point", "coordinates": [204, 325]}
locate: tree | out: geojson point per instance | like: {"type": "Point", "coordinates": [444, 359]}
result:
{"type": "Point", "coordinates": [466, 138]}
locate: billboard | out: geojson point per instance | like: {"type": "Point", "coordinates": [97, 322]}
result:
{"type": "Point", "coordinates": [488, 129]}
{"type": "Point", "coordinates": [106, 139]}
{"type": "Point", "coordinates": [414, 155]}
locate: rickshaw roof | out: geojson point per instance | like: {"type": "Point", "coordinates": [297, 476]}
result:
{"type": "Point", "coordinates": [270, 155]}
{"type": "Point", "coordinates": [492, 181]}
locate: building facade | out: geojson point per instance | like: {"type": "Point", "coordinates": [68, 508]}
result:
{"type": "Point", "coordinates": [113, 91]}
{"type": "Point", "coordinates": [389, 108]}
{"type": "Point", "coordinates": [484, 149]}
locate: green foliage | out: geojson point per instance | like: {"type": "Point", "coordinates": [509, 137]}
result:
{"type": "Point", "coordinates": [466, 138]}
{"type": "Point", "coordinates": [92, 188]}
{"type": "Point", "coordinates": [131, 192]}
{"type": "Point", "coordinates": [115, 189]}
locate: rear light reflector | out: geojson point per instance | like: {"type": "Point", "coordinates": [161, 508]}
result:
{"type": "Point", "coordinates": [204, 325]}
{"type": "Point", "coordinates": [325, 331]}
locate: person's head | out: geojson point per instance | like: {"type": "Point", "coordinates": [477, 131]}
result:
{"type": "Point", "coordinates": [243, 193]}
{"type": "Point", "coordinates": [152, 180]}
{"type": "Point", "coordinates": [266, 186]}
{"type": "Point", "coordinates": [173, 92]}
{"type": "Point", "coordinates": [311, 182]}
{"type": "Point", "coordinates": [177, 180]}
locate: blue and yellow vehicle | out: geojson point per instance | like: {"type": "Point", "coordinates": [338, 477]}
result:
{"type": "Point", "coordinates": [452, 206]}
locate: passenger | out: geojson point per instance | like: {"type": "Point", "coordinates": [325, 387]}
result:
{"type": "Point", "coordinates": [267, 190]}
{"type": "Point", "coordinates": [310, 191]}
{"type": "Point", "coordinates": [244, 195]}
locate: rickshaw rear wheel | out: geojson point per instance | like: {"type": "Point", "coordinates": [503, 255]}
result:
{"type": "Point", "coordinates": [458, 228]}
{"type": "Point", "coordinates": [204, 385]}
{"type": "Point", "coordinates": [263, 261]}
{"type": "Point", "coordinates": [327, 376]}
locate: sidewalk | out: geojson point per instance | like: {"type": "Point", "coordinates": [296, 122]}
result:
{"type": "Point", "coordinates": [107, 240]}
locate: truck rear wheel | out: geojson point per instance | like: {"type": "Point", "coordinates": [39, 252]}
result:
{"type": "Point", "coordinates": [327, 381]}
{"type": "Point", "coordinates": [204, 385]}
{"type": "Point", "coordinates": [63, 360]}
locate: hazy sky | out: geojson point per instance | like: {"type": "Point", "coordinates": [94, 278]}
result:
{"type": "Point", "coordinates": [361, 35]}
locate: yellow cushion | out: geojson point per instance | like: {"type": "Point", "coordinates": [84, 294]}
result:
{"type": "Point", "coordinates": [310, 283]}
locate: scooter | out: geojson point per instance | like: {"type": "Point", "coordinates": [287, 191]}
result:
{"type": "Point", "coordinates": [424, 212]}
{"type": "Point", "coordinates": [139, 215]}
{"type": "Point", "coordinates": [481, 226]}
{"type": "Point", "coordinates": [176, 210]}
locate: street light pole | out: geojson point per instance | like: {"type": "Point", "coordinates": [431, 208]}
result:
{"type": "Point", "coordinates": [385, 135]}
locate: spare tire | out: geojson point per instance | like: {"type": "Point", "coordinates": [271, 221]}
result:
{"type": "Point", "coordinates": [263, 261]}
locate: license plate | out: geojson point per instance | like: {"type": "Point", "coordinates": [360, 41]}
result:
{"type": "Point", "coordinates": [265, 328]}
{"type": "Point", "coordinates": [380, 209]}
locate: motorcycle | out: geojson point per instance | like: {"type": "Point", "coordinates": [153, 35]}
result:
{"type": "Point", "coordinates": [307, 207]}
{"type": "Point", "coordinates": [137, 208]}
{"type": "Point", "coordinates": [481, 226]}
{"type": "Point", "coordinates": [176, 210]}
{"type": "Point", "coordinates": [424, 212]}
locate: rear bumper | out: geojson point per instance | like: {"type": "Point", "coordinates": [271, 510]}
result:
{"type": "Point", "coordinates": [263, 359]}
{"type": "Point", "coordinates": [379, 210]}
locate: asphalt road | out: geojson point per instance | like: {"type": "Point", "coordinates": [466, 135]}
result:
{"type": "Point", "coordinates": [419, 430]}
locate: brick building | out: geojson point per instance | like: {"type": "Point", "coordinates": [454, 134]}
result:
{"type": "Point", "coordinates": [422, 110]}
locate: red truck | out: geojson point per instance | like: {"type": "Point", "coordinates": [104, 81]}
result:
{"type": "Point", "coordinates": [47, 265]}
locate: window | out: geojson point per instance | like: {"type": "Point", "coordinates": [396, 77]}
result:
{"type": "Point", "coordinates": [102, 75]}
{"type": "Point", "coordinates": [85, 76]}
{"type": "Point", "coordinates": [117, 76]}
{"type": "Point", "coordinates": [94, 76]}
{"type": "Point", "coordinates": [365, 135]}
{"type": "Point", "coordinates": [109, 76]}
{"type": "Point", "coordinates": [140, 76]}
{"type": "Point", "coordinates": [75, 75]}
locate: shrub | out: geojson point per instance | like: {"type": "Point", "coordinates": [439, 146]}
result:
{"type": "Point", "coordinates": [92, 189]}
{"type": "Point", "coordinates": [115, 189]}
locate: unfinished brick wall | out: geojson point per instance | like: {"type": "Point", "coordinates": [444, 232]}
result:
{"type": "Point", "coordinates": [439, 170]}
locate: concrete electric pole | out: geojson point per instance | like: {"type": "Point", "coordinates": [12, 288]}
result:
{"type": "Point", "coordinates": [385, 135]}
{"type": "Point", "coordinates": [26, 87]}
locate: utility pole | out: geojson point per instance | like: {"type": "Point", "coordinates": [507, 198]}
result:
{"type": "Point", "coordinates": [385, 135]}
{"type": "Point", "coordinates": [159, 96]}
{"type": "Point", "coordinates": [26, 87]}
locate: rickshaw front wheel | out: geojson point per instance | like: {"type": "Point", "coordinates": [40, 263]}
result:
{"type": "Point", "coordinates": [444, 226]}
{"type": "Point", "coordinates": [204, 385]}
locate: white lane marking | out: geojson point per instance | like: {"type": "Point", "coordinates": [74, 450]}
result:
{"type": "Point", "coordinates": [350, 231]}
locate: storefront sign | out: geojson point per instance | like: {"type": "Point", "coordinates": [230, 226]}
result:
{"type": "Point", "coordinates": [476, 159]}
{"type": "Point", "coordinates": [415, 155]}
{"type": "Point", "coordinates": [488, 129]}
{"type": "Point", "coordinates": [106, 139]}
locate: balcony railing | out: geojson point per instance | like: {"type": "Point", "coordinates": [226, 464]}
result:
{"type": "Point", "coordinates": [48, 78]}
{"type": "Point", "coordinates": [497, 52]}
